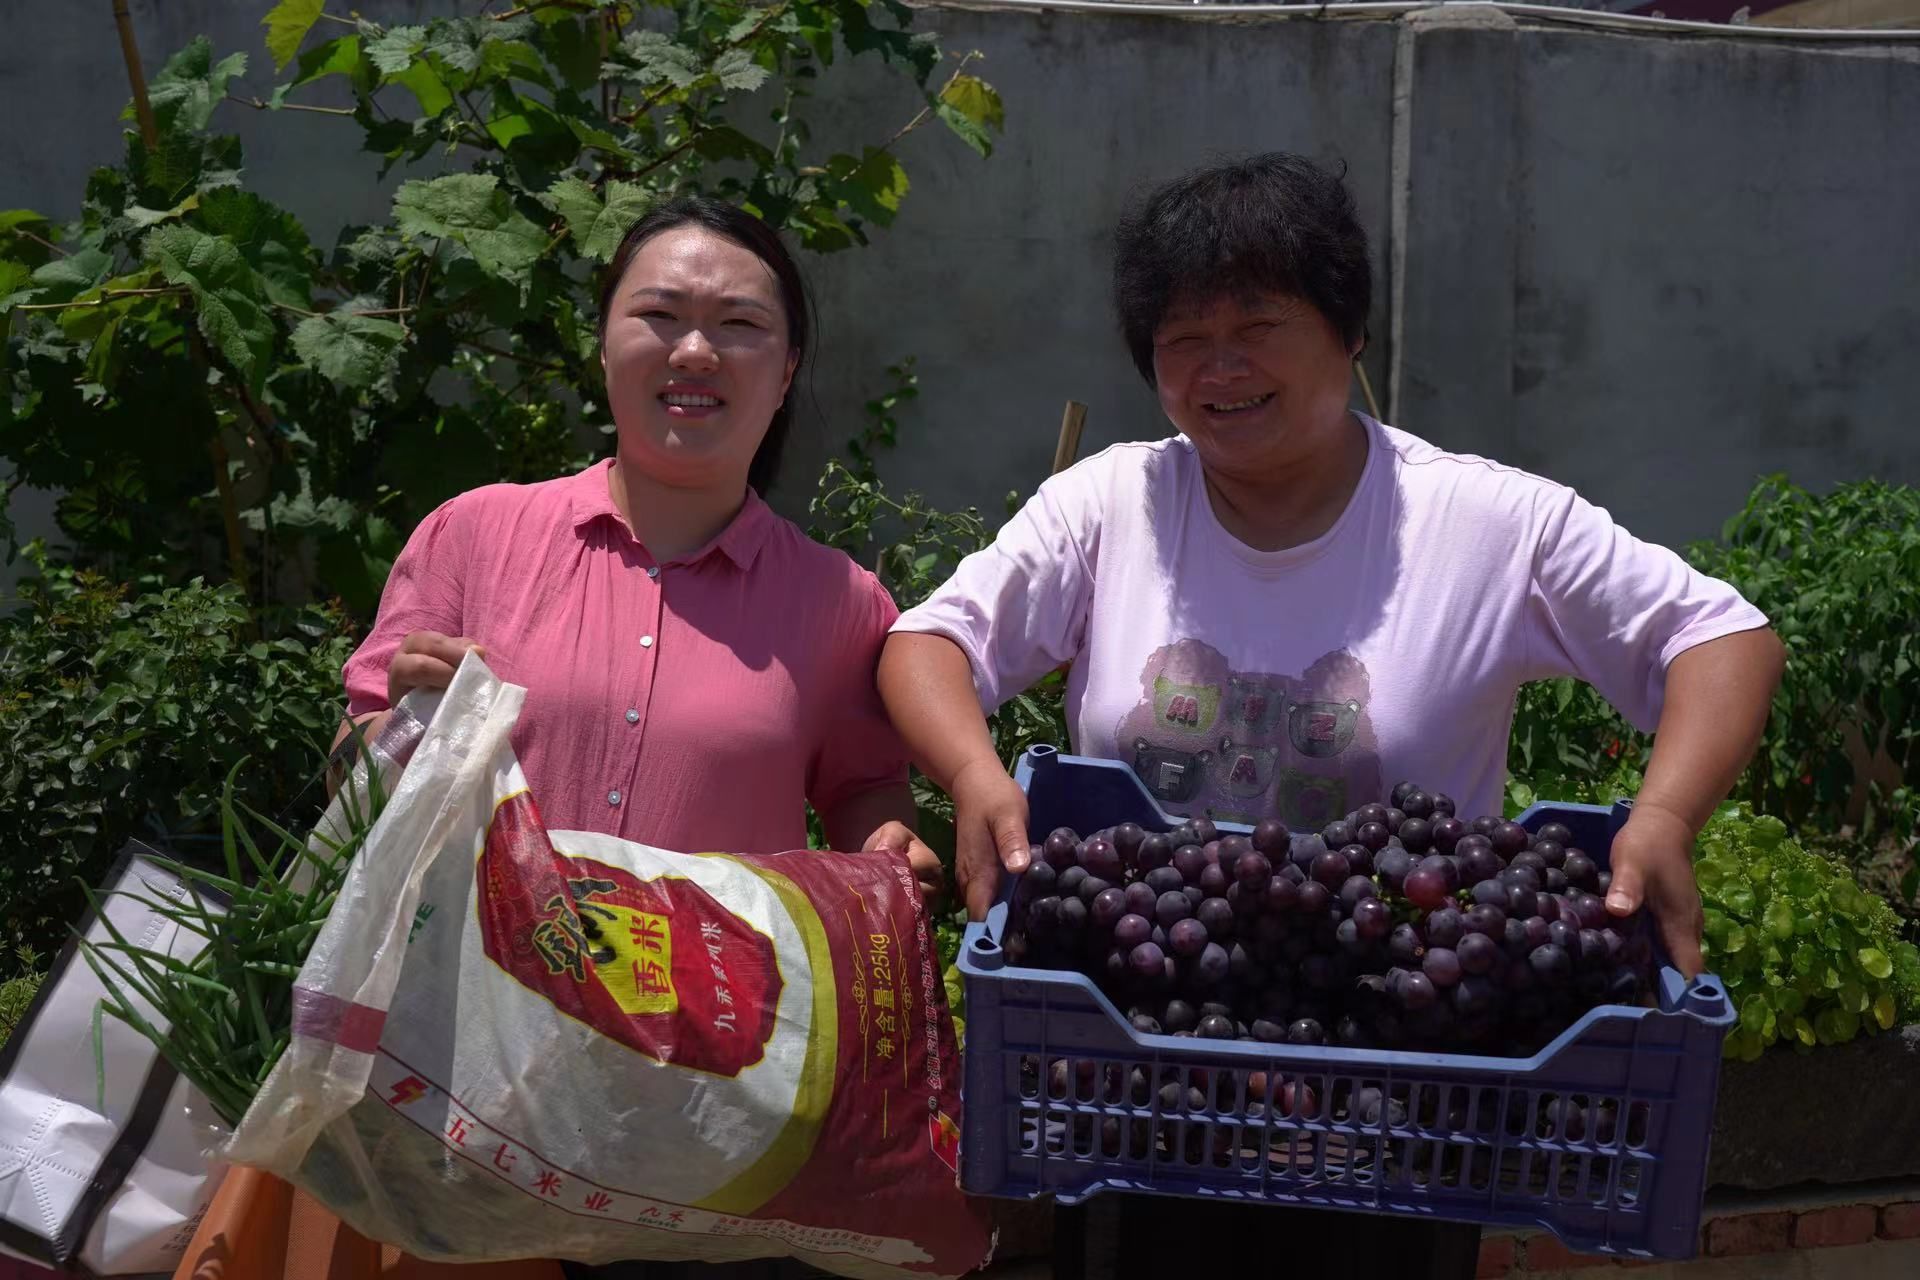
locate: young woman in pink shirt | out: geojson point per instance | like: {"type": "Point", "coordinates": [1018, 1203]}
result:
{"type": "Point", "coordinates": [697, 669]}
{"type": "Point", "coordinates": [1287, 607]}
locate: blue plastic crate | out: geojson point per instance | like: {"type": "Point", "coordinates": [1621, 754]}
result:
{"type": "Point", "coordinates": [1463, 1142]}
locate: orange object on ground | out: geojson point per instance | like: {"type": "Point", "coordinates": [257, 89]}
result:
{"type": "Point", "coordinates": [259, 1227]}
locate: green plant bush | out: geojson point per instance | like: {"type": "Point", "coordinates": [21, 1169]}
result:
{"type": "Point", "coordinates": [1808, 957]}
{"type": "Point", "coordinates": [121, 713]}
{"type": "Point", "coordinates": [212, 393]}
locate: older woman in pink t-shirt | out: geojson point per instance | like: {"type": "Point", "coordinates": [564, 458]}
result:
{"type": "Point", "coordinates": [697, 669]}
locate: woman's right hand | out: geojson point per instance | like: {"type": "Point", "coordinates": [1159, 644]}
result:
{"type": "Point", "coordinates": [427, 660]}
{"type": "Point", "coordinates": [989, 831]}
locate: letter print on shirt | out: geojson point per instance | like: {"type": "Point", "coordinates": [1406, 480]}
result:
{"type": "Point", "coordinates": [1241, 746]}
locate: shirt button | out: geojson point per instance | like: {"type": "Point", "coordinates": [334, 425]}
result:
{"type": "Point", "coordinates": [646, 642]}
{"type": "Point", "coordinates": [633, 715]}
{"type": "Point", "coordinates": [613, 797]}
{"type": "Point", "coordinates": [653, 571]}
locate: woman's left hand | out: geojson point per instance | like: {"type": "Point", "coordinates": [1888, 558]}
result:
{"type": "Point", "coordinates": [1652, 862]}
{"type": "Point", "coordinates": [897, 837]}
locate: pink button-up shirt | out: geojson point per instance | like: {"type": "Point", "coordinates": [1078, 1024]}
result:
{"type": "Point", "coordinates": [690, 705]}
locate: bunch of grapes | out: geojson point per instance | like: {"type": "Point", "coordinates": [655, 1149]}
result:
{"type": "Point", "coordinates": [1400, 926]}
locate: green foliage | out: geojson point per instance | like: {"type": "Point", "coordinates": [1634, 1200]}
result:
{"type": "Point", "coordinates": [17, 992]}
{"type": "Point", "coordinates": [1839, 575]}
{"type": "Point", "coordinates": [229, 1009]}
{"type": "Point", "coordinates": [119, 714]}
{"type": "Point", "coordinates": [1808, 957]}
{"type": "Point", "coordinates": [212, 393]}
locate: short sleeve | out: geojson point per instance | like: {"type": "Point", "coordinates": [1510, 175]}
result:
{"type": "Point", "coordinates": [1615, 611]}
{"type": "Point", "coordinates": [857, 748]}
{"type": "Point", "coordinates": [1018, 607]}
{"type": "Point", "coordinates": [423, 593]}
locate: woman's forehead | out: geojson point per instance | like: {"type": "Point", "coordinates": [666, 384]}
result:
{"type": "Point", "coordinates": [1229, 304]}
{"type": "Point", "coordinates": [689, 257]}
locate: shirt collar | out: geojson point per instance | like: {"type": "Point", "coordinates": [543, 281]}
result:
{"type": "Point", "coordinates": [740, 541]}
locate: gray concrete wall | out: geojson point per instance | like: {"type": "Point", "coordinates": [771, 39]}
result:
{"type": "Point", "coordinates": [1652, 267]}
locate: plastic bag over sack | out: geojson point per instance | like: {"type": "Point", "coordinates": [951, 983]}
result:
{"type": "Point", "coordinates": [510, 1042]}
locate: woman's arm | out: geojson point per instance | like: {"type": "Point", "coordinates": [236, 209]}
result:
{"type": "Point", "coordinates": [1717, 697]}
{"type": "Point", "coordinates": [927, 684]}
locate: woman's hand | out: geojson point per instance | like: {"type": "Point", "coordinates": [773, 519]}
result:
{"type": "Point", "coordinates": [427, 660]}
{"type": "Point", "coordinates": [897, 837]}
{"type": "Point", "coordinates": [989, 831]}
{"type": "Point", "coordinates": [1652, 863]}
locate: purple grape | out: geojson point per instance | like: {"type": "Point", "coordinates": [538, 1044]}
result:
{"type": "Point", "coordinates": [1037, 881]}
{"type": "Point", "coordinates": [1187, 937]}
{"type": "Point", "coordinates": [1616, 944]}
{"type": "Point", "coordinates": [1194, 895]}
{"type": "Point", "coordinates": [1443, 806]}
{"type": "Point", "coordinates": [1442, 966]}
{"type": "Point", "coordinates": [1360, 859]}
{"type": "Point", "coordinates": [1416, 834]}
{"type": "Point", "coordinates": [1373, 918]}
{"type": "Point", "coordinates": [1417, 804]}
{"type": "Point", "coordinates": [1447, 833]}
{"type": "Point", "coordinates": [1070, 880]}
{"type": "Point", "coordinates": [1529, 860]}
{"type": "Point", "coordinates": [1509, 838]}
{"type": "Point", "coordinates": [1404, 946]}
{"type": "Point", "coordinates": [1190, 860]}
{"type": "Point", "coordinates": [1171, 909]}
{"type": "Point", "coordinates": [1514, 938]}
{"type": "Point", "coordinates": [1418, 992]}
{"type": "Point", "coordinates": [1214, 1027]}
{"type": "Point", "coordinates": [1546, 906]}
{"type": "Point", "coordinates": [1337, 833]}
{"type": "Point", "coordinates": [1042, 915]}
{"type": "Point", "coordinates": [1213, 882]}
{"type": "Point", "coordinates": [1481, 865]}
{"type": "Point", "coordinates": [1392, 866]}
{"type": "Point", "coordinates": [1603, 882]}
{"type": "Point", "coordinates": [1565, 936]}
{"type": "Point", "coordinates": [1315, 898]}
{"type": "Point", "coordinates": [1109, 907]}
{"type": "Point", "coordinates": [1293, 873]}
{"type": "Point", "coordinates": [1131, 930]}
{"type": "Point", "coordinates": [1554, 880]}
{"type": "Point", "coordinates": [1374, 835]}
{"type": "Point", "coordinates": [1489, 921]}
{"type": "Point", "coordinates": [1550, 852]}
{"type": "Point", "coordinates": [1447, 867]}
{"type": "Point", "coordinates": [1425, 887]}
{"type": "Point", "coordinates": [1115, 964]}
{"type": "Point", "coordinates": [1554, 832]}
{"type": "Point", "coordinates": [1270, 836]}
{"type": "Point", "coordinates": [1476, 995]}
{"type": "Point", "coordinates": [1204, 832]}
{"type": "Point", "coordinates": [1305, 1031]}
{"type": "Point", "coordinates": [1183, 834]}
{"type": "Point", "coordinates": [1538, 934]}
{"type": "Point", "coordinates": [1233, 847]}
{"type": "Point", "coordinates": [1347, 936]}
{"type": "Point", "coordinates": [1551, 964]}
{"type": "Point", "coordinates": [1353, 889]}
{"type": "Point", "coordinates": [1283, 895]}
{"type": "Point", "coordinates": [1268, 1032]}
{"type": "Point", "coordinates": [1520, 902]}
{"type": "Point", "coordinates": [1179, 1016]}
{"type": "Point", "coordinates": [1073, 915]}
{"type": "Point", "coordinates": [1528, 878]}
{"type": "Point", "coordinates": [1477, 953]}
{"type": "Point", "coordinates": [1593, 911]}
{"type": "Point", "coordinates": [1164, 880]}
{"type": "Point", "coordinates": [1252, 868]}
{"type": "Point", "coordinates": [1210, 969]}
{"type": "Point", "coordinates": [1216, 916]}
{"type": "Point", "coordinates": [1370, 813]}
{"type": "Point", "coordinates": [1127, 838]}
{"type": "Point", "coordinates": [1331, 869]}
{"type": "Point", "coordinates": [1140, 897]}
{"type": "Point", "coordinates": [1240, 963]}
{"type": "Point", "coordinates": [1091, 888]}
{"type": "Point", "coordinates": [1061, 848]}
{"type": "Point", "coordinates": [1580, 869]}
{"type": "Point", "coordinates": [1102, 858]}
{"type": "Point", "coordinates": [1445, 928]}
{"type": "Point", "coordinates": [1156, 851]}
{"type": "Point", "coordinates": [1593, 949]}
{"type": "Point", "coordinates": [1490, 893]}
{"type": "Point", "coordinates": [1145, 1023]}
{"type": "Point", "coordinates": [1483, 826]}
{"type": "Point", "coordinates": [1401, 790]}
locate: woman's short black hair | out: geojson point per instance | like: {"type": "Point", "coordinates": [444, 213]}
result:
{"type": "Point", "coordinates": [1268, 224]}
{"type": "Point", "coordinates": [759, 239]}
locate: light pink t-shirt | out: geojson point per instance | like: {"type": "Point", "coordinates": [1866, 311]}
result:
{"type": "Point", "coordinates": [1303, 683]}
{"type": "Point", "coordinates": [691, 705]}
